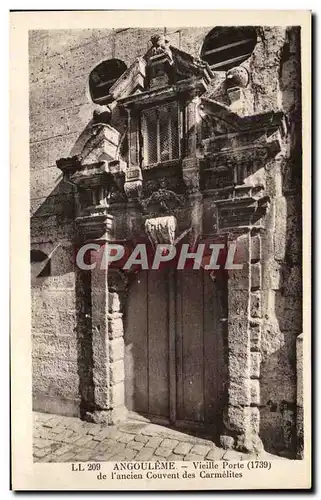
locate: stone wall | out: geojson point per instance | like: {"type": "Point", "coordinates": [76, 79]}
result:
{"type": "Point", "coordinates": [60, 109]}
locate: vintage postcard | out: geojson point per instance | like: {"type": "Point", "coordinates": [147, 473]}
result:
{"type": "Point", "coordinates": [160, 232]}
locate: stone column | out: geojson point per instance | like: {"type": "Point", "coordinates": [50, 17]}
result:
{"type": "Point", "coordinates": [242, 413]}
{"type": "Point", "coordinates": [107, 342]}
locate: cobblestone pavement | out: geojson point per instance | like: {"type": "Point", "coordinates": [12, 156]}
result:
{"type": "Point", "coordinates": [68, 439]}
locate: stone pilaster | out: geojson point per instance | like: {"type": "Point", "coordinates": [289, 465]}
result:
{"type": "Point", "coordinates": [242, 414]}
{"type": "Point", "coordinates": [255, 334]}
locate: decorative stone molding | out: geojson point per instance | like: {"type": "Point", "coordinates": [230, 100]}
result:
{"type": "Point", "coordinates": [95, 225]}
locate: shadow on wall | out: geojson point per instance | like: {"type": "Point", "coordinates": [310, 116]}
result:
{"type": "Point", "coordinates": [66, 322]}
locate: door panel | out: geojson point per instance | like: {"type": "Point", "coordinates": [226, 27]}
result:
{"type": "Point", "coordinates": [190, 406]}
{"type": "Point", "coordinates": [215, 367]}
{"type": "Point", "coordinates": [158, 351]}
{"type": "Point", "coordinates": [146, 345]}
{"type": "Point", "coordinates": [136, 347]}
{"type": "Point", "coordinates": [174, 362]}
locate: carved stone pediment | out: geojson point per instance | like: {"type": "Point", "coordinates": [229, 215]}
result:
{"type": "Point", "coordinates": [101, 145]}
{"type": "Point", "coordinates": [163, 72]}
{"type": "Point", "coordinates": [131, 82]}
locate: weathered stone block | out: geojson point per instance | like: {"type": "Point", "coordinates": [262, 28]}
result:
{"type": "Point", "coordinates": [292, 281]}
{"type": "Point", "coordinates": [238, 301]}
{"type": "Point", "coordinates": [62, 259]}
{"type": "Point", "coordinates": [274, 178]}
{"type": "Point", "coordinates": [255, 305]}
{"type": "Point", "coordinates": [51, 309]}
{"type": "Point", "coordinates": [117, 373]}
{"type": "Point", "coordinates": [227, 442]}
{"type": "Point", "coordinates": [255, 335]}
{"type": "Point", "coordinates": [116, 349]}
{"type": "Point", "coordinates": [51, 346]}
{"type": "Point", "coordinates": [255, 276]}
{"type": "Point", "coordinates": [238, 363]}
{"type": "Point", "coordinates": [280, 233]}
{"type": "Point", "coordinates": [145, 454]}
{"type": "Point", "coordinates": [170, 443]}
{"type": "Point", "coordinates": [272, 275]}
{"type": "Point", "coordinates": [113, 302]}
{"type": "Point", "coordinates": [255, 364]}
{"type": "Point", "coordinates": [255, 392]}
{"type": "Point", "coordinates": [238, 336]}
{"type": "Point", "coordinates": [115, 327]}
{"type": "Point", "coordinates": [249, 442]}
{"type": "Point", "coordinates": [255, 420]}
{"type": "Point", "coordinates": [240, 278]}
{"type": "Point", "coordinates": [51, 384]}
{"type": "Point", "coordinates": [54, 367]}
{"type": "Point", "coordinates": [67, 92]}
{"type": "Point", "coordinates": [239, 392]}
{"type": "Point", "coordinates": [39, 155]}
{"type": "Point", "coordinates": [101, 393]}
{"type": "Point", "coordinates": [53, 228]}
{"type": "Point", "coordinates": [238, 419]}
{"type": "Point", "coordinates": [288, 311]}
{"type": "Point", "coordinates": [117, 394]}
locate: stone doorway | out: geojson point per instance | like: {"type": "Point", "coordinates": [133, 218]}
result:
{"type": "Point", "coordinates": [175, 366]}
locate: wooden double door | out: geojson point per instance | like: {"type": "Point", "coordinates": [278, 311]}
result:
{"type": "Point", "coordinates": [174, 362]}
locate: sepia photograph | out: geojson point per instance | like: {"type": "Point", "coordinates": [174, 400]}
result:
{"type": "Point", "coordinates": [166, 267]}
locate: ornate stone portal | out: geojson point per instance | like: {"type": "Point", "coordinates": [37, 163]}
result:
{"type": "Point", "coordinates": [186, 164]}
